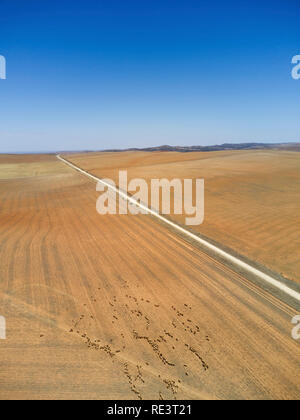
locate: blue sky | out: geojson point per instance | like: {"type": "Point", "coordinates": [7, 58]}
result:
{"type": "Point", "coordinates": [102, 74]}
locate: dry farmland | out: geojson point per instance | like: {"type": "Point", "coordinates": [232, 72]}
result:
{"type": "Point", "coordinates": [252, 198]}
{"type": "Point", "coordinates": [120, 307]}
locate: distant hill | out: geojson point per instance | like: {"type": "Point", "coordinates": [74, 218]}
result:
{"type": "Point", "coordinates": [225, 146]}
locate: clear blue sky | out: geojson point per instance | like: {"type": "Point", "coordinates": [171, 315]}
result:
{"type": "Point", "coordinates": [133, 73]}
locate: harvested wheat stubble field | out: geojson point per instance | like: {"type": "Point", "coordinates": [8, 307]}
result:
{"type": "Point", "coordinates": [119, 307]}
{"type": "Point", "coordinates": [252, 197]}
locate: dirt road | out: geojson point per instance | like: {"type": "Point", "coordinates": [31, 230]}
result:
{"type": "Point", "coordinates": [281, 286]}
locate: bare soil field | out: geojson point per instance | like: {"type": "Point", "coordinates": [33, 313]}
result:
{"type": "Point", "coordinates": [21, 166]}
{"type": "Point", "coordinates": [252, 198]}
{"type": "Point", "coordinates": [119, 307]}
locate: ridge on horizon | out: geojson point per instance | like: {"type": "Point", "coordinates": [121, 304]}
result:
{"type": "Point", "coordinates": [183, 149]}
{"type": "Point", "coordinates": [198, 148]}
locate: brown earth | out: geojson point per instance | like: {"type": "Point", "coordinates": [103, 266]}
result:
{"type": "Point", "coordinates": [119, 307]}
{"type": "Point", "coordinates": [252, 198]}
